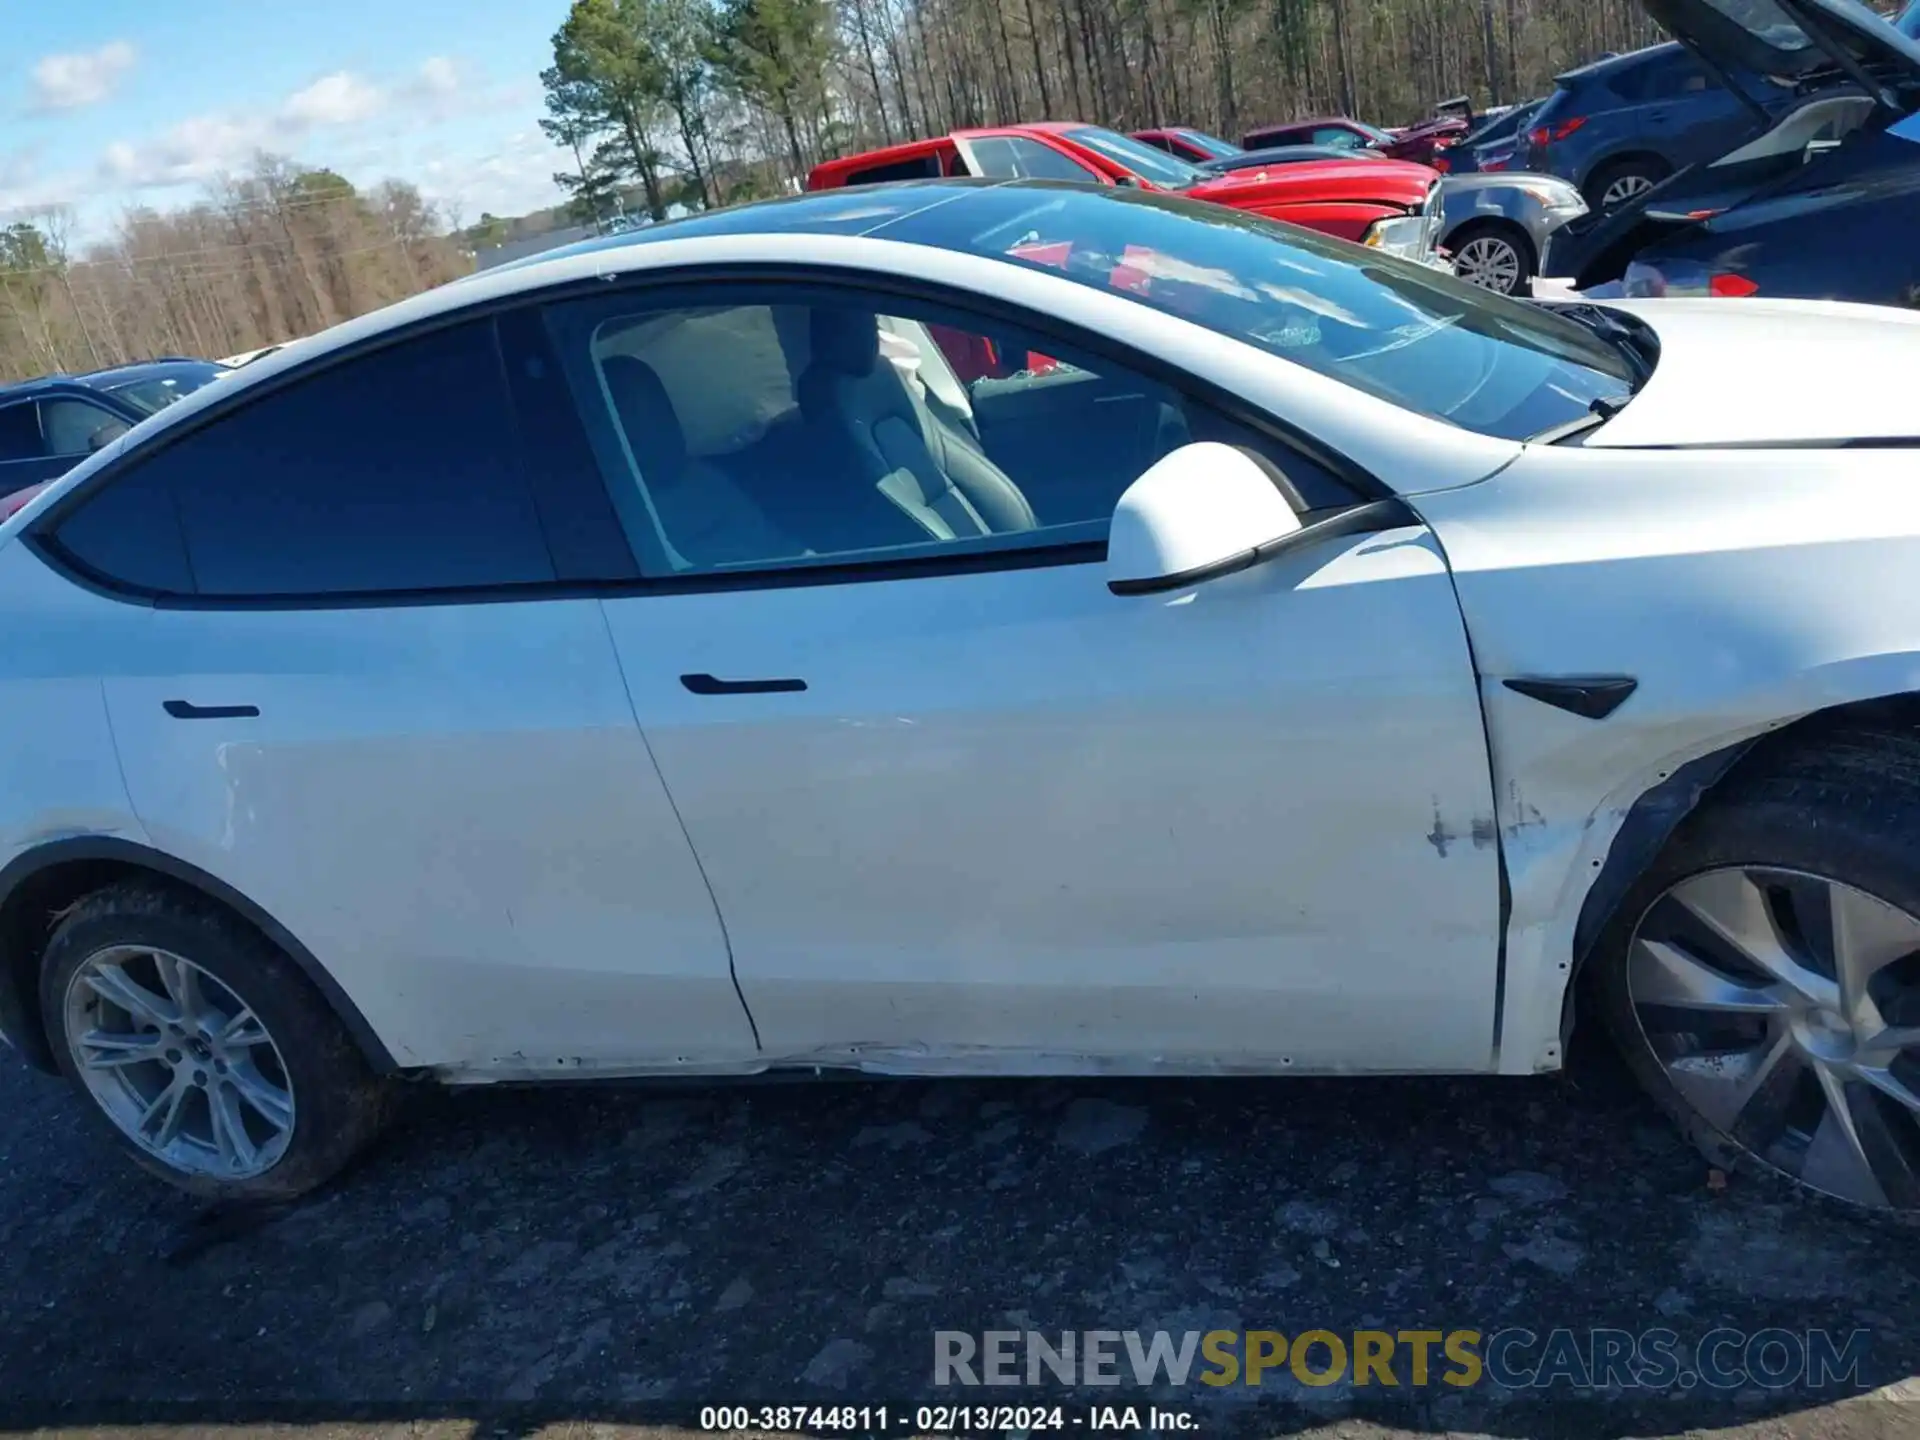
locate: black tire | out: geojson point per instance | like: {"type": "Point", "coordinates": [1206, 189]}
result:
{"type": "Point", "coordinates": [1634, 168]}
{"type": "Point", "coordinates": [341, 1105]}
{"type": "Point", "coordinates": [1845, 806]}
{"type": "Point", "coordinates": [1512, 236]}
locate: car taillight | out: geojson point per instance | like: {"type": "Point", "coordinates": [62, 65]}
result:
{"type": "Point", "coordinates": [1442, 164]}
{"type": "Point", "coordinates": [1731, 287]}
{"type": "Point", "coordinates": [1498, 162]}
{"type": "Point", "coordinates": [1547, 134]}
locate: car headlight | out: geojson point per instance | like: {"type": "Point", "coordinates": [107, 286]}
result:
{"type": "Point", "coordinates": [1408, 236]}
{"type": "Point", "coordinates": [1553, 195]}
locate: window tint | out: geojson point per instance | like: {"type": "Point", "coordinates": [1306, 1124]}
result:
{"type": "Point", "coordinates": [397, 470]}
{"type": "Point", "coordinates": [20, 432]}
{"type": "Point", "coordinates": [1660, 78]}
{"type": "Point", "coordinates": [75, 427]}
{"type": "Point", "coordinates": [1017, 157]}
{"type": "Point", "coordinates": [790, 429]}
{"type": "Point", "coordinates": [921, 167]}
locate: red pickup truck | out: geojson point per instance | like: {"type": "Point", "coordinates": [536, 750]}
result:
{"type": "Point", "coordinates": [1354, 199]}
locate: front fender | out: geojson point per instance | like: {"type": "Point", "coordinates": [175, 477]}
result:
{"type": "Point", "coordinates": [1741, 590]}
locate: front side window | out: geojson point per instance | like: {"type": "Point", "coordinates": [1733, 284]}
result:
{"type": "Point", "coordinates": [397, 470]}
{"type": "Point", "coordinates": [797, 429]}
{"type": "Point", "coordinates": [1404, 332]}
{"type": "Point", "coordinates": [76, 427]}
{"type": "Point", "coordinates": [1167, 171]}
{"type": "Point", "coordinates": [1018, 157]}
{"type": "Point", "coordinates": [1339, 138]}
{"type": "Point", "coordinates": [1211, 145]}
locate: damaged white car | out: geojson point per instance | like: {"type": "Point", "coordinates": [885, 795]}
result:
{"type": "Point", "coordinates": [966, 628]}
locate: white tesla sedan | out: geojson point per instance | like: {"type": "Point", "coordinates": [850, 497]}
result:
{"type": "Point", "coordinates": [969, 628]}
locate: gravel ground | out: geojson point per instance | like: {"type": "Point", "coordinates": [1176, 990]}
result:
{"type": "Point", "coordinates": [587, 1261]}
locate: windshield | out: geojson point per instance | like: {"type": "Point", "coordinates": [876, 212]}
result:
{"type": "Point", "coordinates": [154, 393]}
{"type": "Point", "coordinates": [1212, 144]}
{"type": "Point", "coordinates": [1404, 332]}
{"type": "Point", "coordinates": [1162, 169]}
{"type": "Point", "coordinates": [1910, 22]}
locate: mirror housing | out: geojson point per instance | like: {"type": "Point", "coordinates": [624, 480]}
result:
{"type": "Point", "coordinates": [1203, 511]}
{"type": "Point", "coordinates": [1129, 182]}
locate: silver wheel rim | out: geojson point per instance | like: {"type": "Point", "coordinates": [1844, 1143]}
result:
{"type": "Point", "coordinates": [1489, 262]}
{"type": "Point", "coordinates": [179, 1062]}
{"type": "Point", "coordinates": [1785, 1009]}
{"type": "Point", "coordinates": [1624, 189]}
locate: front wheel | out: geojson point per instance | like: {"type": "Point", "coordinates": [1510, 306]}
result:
{"type": "Point", "coordinates": [209, 1055]}
{"type": "Point", "coordinates": [1764, 980]}
{"type": "Point", "coordinates": [1494, 257]}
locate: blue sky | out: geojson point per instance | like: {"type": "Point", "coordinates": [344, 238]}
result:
{"type": "Point", "coordinates": [106, 104]}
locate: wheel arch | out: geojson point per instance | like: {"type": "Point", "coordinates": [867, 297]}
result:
{"type": "Point", "coordinates": [1658, 813]}
{"type": "Point", "coordinates": [1625, 155]}
{"type": "Point", "coordinates": [39, 885]}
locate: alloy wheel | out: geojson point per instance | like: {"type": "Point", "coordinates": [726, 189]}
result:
{"type": "Point", "coordinates": [1784, 1008]}
{"type": "Point", "coordinates": [179, 1062]}
{"type": "Point", "coordinates": [1623, 189]}
{"type": "Point", "coordinates": [1489, 262]}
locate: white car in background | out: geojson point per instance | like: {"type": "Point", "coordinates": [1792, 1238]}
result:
{"type": "Point", "coordinates": [970, 628]}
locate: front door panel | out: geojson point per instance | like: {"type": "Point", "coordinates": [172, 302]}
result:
{"type": "Point", "coordinates": [1014, 820]}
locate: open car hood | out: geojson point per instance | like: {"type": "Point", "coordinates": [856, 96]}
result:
{"type": "Point", "coordinates": [1772, 372]}
{"type": "Point", "coordinates": [1792, 39]}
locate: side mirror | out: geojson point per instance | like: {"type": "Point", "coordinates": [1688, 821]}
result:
{"type": "Point", "coordinates": [1129, 182]}
{"type": "Point", "coordinates": [1203, 511]}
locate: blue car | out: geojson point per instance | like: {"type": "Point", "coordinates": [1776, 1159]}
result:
{"type": "Point", "coordinates": [1618, 127]}
{"type": "Point", "coordinates": [1824, 205]}
{"type": "Point", "coordinates": [1495, 144]}
{"type": "Point", "coordinates": [48, 426]}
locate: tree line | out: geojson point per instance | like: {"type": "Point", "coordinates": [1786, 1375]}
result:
{"type": "Point", "coordinates": [278, 252]}
{"type": "Point", "coordinates": [705, 102]}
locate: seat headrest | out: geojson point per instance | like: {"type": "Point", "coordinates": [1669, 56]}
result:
{"type": "Point", "coordinates": [844, 341]}
{"type": "Point", "coordinates": [646, 413]}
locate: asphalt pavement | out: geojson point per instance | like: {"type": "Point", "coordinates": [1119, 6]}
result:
{"type": "Point", "coordinates": [590, 1261]}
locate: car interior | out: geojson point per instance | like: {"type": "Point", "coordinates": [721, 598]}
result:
{"type": "Point", "coordinates": [761, 433]}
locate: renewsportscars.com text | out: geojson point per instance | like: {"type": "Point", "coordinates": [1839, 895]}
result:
{"type": "Point", "coordinates": [1514, 1358]}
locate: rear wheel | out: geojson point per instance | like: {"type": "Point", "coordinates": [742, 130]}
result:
{"type": "Point", "coordinates": [1493, 256]}
{"type": "Point", "coordinates": [1764, 980]}
{"type": "Point", "coordinates": [208, 1054]}
{"type": "Point", "coordinates": [1614, 184]}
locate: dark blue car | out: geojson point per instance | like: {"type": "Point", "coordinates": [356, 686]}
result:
{"type": "Point", "coordinates": [48, 426]}
{"type": "Point", "coordinates": [1618, 127]}
{"type": "Point", "coordinates": [1824, 205]}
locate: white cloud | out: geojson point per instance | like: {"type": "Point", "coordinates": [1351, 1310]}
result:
{"type": "Point", "coordinates": [328, 123]}
{"type": "Point", "coordinates": [438, 75]}
{"type": "Point", "coordinates": [341, 98]}
{"type": "Point", "coordinates": [67, 82]}
{"type": "Point", "coordinates": [510, 180]}
{"type": "Point", "coordinates": [190, 153]}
